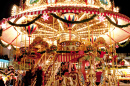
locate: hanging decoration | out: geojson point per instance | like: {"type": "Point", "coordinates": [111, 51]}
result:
{"type": "Point", "coordinates": [73, 22]}
{"type": "Point", "coordinates": [70, 17]}
{"type": "Point", "coordinates": [30, 29]}
{"type": "Point", "coordinates": [45, 17]}
{"type": "Point", "coordinates": [92, 39]}
{"type": "Point", "coordinates": [123, 45]}
{"type": "Point", "coordinates": [66, 21]}
{"type": "Point", "coordinates": [23, 25]}
{"type": "Point", "coordinates": [88, 19]}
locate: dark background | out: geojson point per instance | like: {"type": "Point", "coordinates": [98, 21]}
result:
{"type": "Point", "coordinates": [124, 6]}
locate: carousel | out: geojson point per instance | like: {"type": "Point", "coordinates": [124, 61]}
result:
{"type": "Point", "coordinates": [74, 41]}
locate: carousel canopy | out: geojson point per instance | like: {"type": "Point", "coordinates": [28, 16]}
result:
{"type": "Point", "coordinates": [51, 19]}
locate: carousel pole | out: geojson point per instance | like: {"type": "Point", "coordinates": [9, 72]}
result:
{"type": "Point", "coordinates": [30, 63]}
{"type": "Point", "coordinates": [25, 52]}
{"type": "Point", "coordinates": [117, 73]}
{"type": "Point", "coordinates": [29, 40]}
{"type": "Point", "coordinates": [53, 56]}
{"type": "Point", "coordinates": [70, 33]}
{"type": "Point", "coordinates": [46, 40]}
{"type": "Point", "coordinates": [110, 53]}
{"type": "Point", "coordinates": [91, 79]}
{"type": "Point", "coordinates": [88, 30]}
{"type": "Point", "coordinates": [21, 41]}
{"type": "Point", "coordinates": [57, 44]}
{"type": "Point", "coordinates": [16, 45]}
{"type": "Point", "coordinates": [114, 60]}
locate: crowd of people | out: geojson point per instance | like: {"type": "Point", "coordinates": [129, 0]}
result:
{"type": "Point", "coordinates": [26, 78]}
{"type": "Point", "coordinates": [31, 77]}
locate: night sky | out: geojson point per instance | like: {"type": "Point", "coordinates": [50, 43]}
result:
{"type": "Point", "coordinates": [124, 5]}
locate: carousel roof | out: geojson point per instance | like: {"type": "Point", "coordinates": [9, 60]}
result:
{"type": "Point", "coordinates": [91, 19]}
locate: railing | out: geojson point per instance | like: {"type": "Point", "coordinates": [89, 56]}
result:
{"type": "Point", "coordinates": [52, 75]}
{"type": "Point", "coordinates": [39, 60]}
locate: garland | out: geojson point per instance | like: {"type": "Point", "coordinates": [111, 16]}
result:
{"type": "Point", "coordinates": [87, 20]}
{"type": "Point", "coordinates": [124, 44]}
{"type": "Point", "coordinates": [53, 48]}
{"type": "Point", "coordinates": [120, 26]}
{"type": "Point", "coordinates": [67, 21]}
{"type": "Point", "coordinates": [23, 25]}
{"type": "Point", "coordinates": [73, 22]}
{"type": "Point", "coordinates": [5, 46]}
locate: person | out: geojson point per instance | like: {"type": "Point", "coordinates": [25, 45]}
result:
{"type": "Point", "coordinates": [39, 76]}
{"type": "Point", "coordinates": [29, 75]}
{"type": "Point", "coordinates": [13, 80]}
{"type": "Point", "coordinates": [8, 81]}
{"type": "Point", "coordinates": [1, 81]}
{"type": "Point", "coordinates": [23, 78]}
{"type": "Point", "coordinates": [19, 79]}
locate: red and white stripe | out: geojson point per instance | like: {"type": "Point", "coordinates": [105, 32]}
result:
{"type": "Point", "coordinates": [73, 9]}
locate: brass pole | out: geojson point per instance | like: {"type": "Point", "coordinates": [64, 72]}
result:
{"type": "Point", "coordinates": [53, 55]}
{"type": "Point", "coordinates": [110, 48]}
{"type": "Point", "coordinates": [88, 30]}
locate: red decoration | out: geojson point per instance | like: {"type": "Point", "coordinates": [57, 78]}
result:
{"type": "Point", "coordinates": [122, 63]}
{"type": "Point", "coordinates": [114, 58]}
{"type": "Point", "coordinates": [117, 46]}
{"type": "Point", "coordinates": [102, 54]}
{"type": "Point", "coordinates": [18, 62]}
{"type": "Point", "coordinates": [30, 29]}
{"type": "Point", "coordinates": [81, 52]}
{"type": "Point", "coordinates": [87, 63]}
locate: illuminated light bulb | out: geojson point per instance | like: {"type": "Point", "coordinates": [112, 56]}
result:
{"type": "Point", "coordinates": [3, 25]}
{"type": "Point", "coordinates": [47, 62]}
{"type": "Point", "coordinates": [9, 47]}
